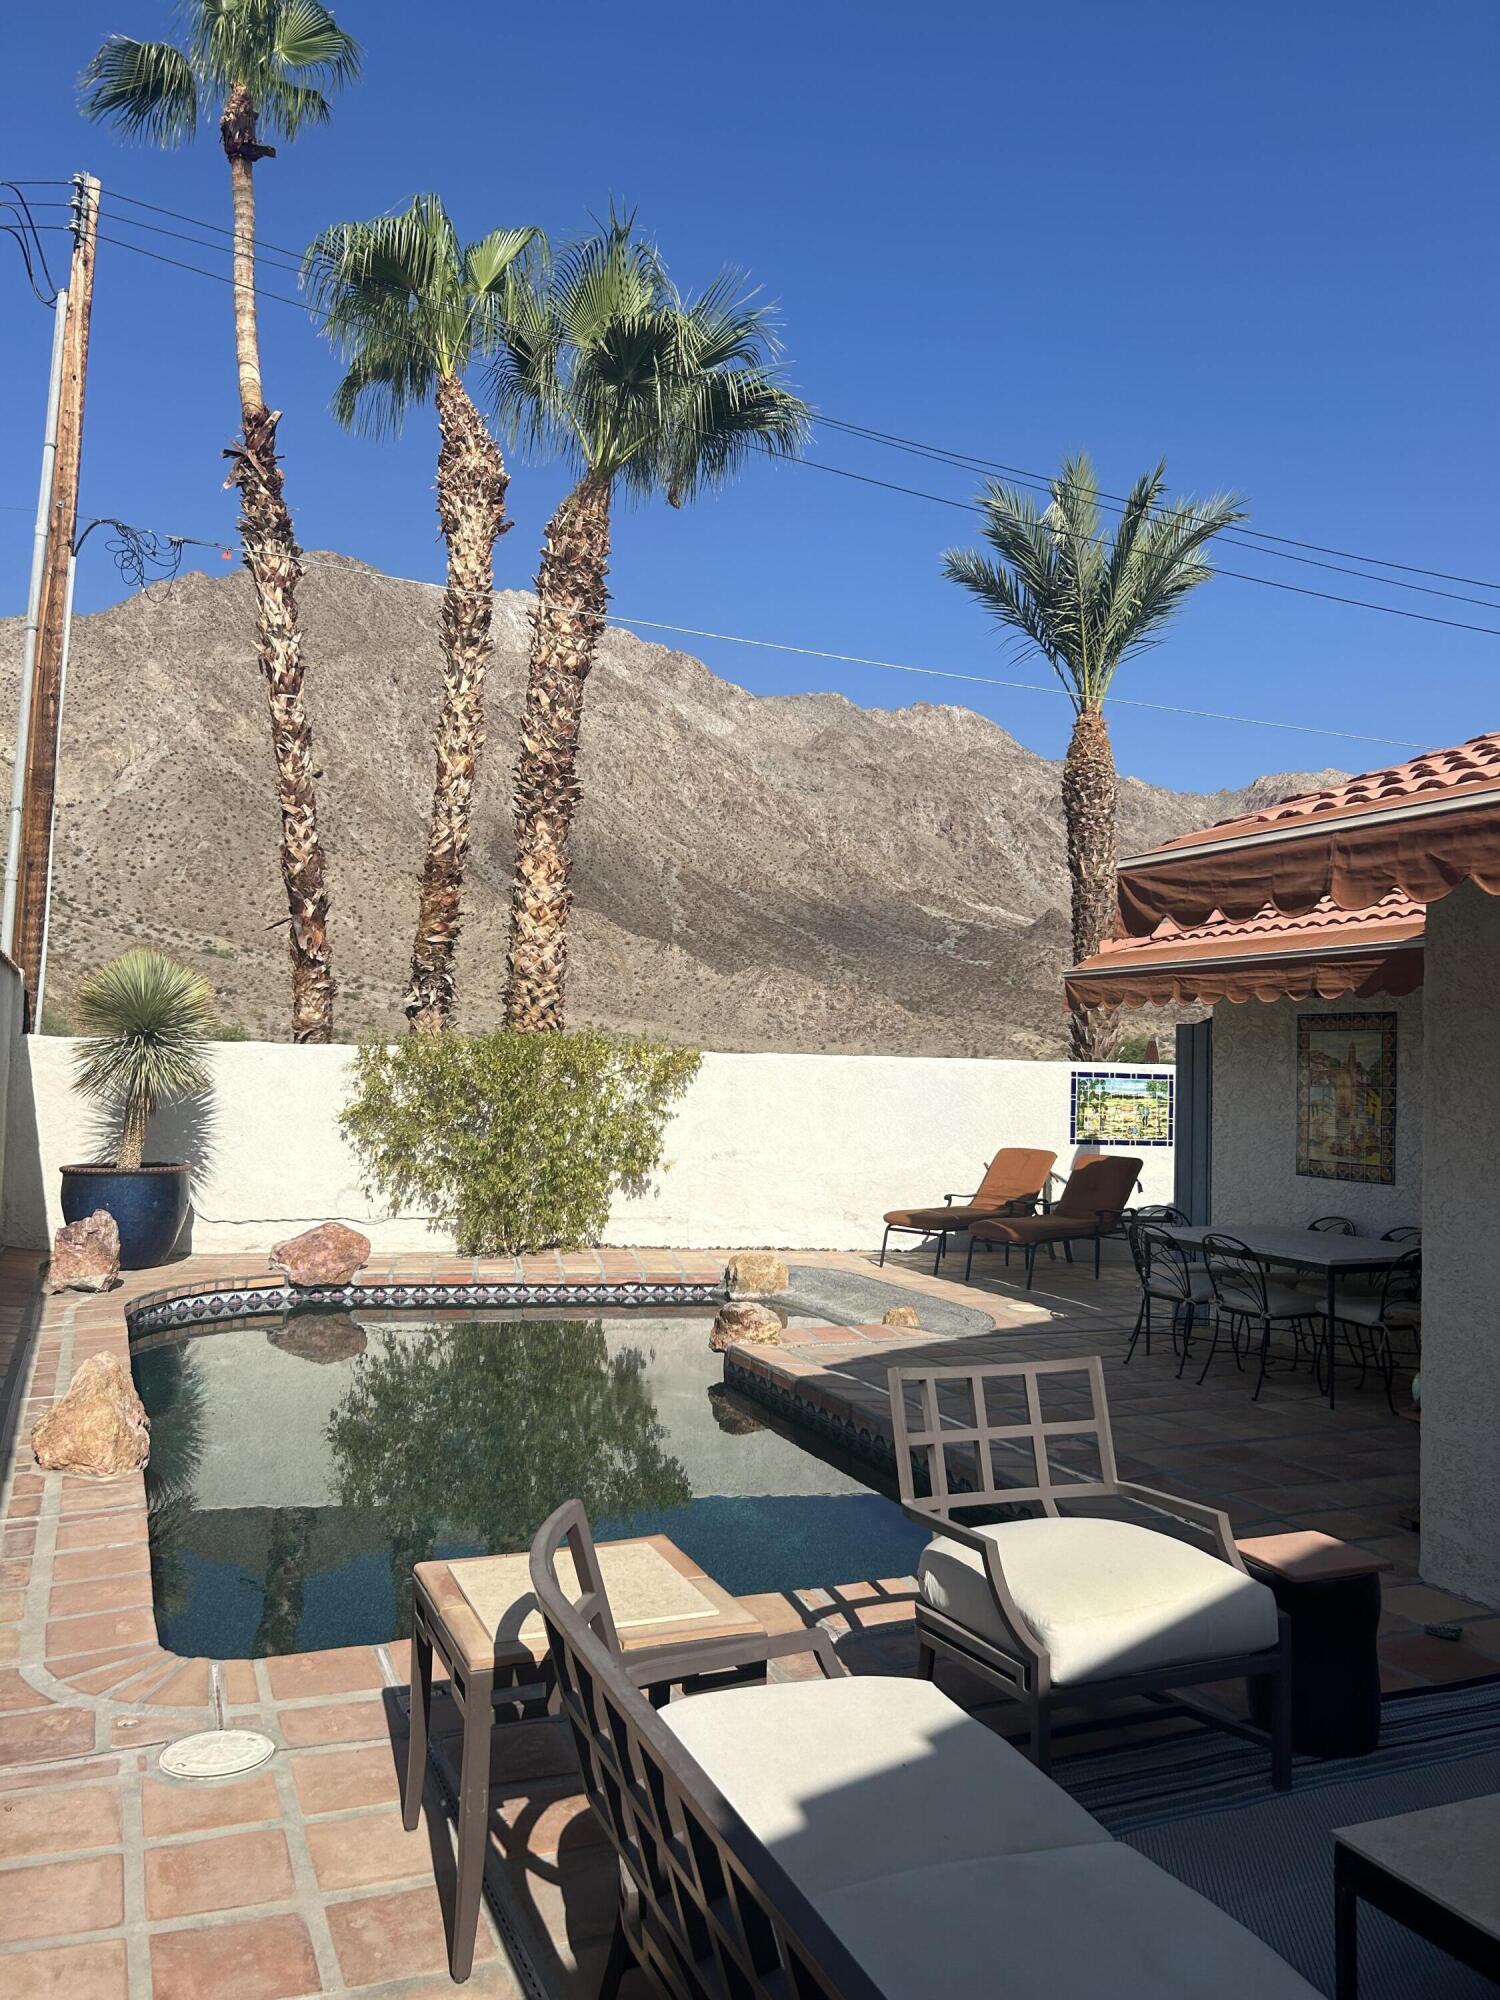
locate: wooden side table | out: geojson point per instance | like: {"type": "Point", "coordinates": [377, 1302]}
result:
{"type": "Point", "coordinates": [479, 1616]}
{"type": "Point", "coordinates": [1331, 1595]}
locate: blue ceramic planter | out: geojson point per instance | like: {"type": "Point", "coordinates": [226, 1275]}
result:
{"type": "Point", "coordinates": [149, 1207]}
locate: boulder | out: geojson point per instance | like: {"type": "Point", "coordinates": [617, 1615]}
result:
{"type": "Point", "coordinates": [900, 1316]}
{"type": "Point", "coordinates": [85, 1255]}
{"type": "Point", "coordinates": [743, 1324]}
{"type": "Point", "coordinates": [327, 1255]}
{"type": "Point", "coordinates": [320, 1337]}
{"type": "Point", "coordinates": [99, 1428]}
{"type": "Point", "coordinates": [755, 1274]}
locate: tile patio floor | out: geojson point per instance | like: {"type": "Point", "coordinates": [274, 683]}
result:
{"type": "Point", "coordinates": [118, 1884]}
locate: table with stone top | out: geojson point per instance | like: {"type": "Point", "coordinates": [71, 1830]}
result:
{"type": "Point", "coordinates": [1436, 1871]}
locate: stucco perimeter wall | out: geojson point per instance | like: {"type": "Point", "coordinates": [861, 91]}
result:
{"type": "Point", "coordinates": [1255, 1176]}
{"type": "Point", "coordinates": [1461, 1249]}
{"type": "Point", "coordinates": [798, 1150]}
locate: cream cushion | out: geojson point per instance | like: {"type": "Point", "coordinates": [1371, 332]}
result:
{"type": "Point", "coordinates": [1103, 1597]}
{"type": "Point", "coordinates": [1068, 1923]}
{"type": "Point", "coordinates": [851, 1780]}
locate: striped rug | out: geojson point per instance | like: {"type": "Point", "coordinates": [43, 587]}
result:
{"type": "Point", "coordinates": [1201, 1806]}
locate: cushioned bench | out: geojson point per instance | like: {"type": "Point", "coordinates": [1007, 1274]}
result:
{"type": "Point", "coordinates": [859, 1838]}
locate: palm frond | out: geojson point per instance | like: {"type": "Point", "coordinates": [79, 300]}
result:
{"type": "Point", "coordinates": [1087, 601]}
{"type": "Point", "coordinates": [291, 55]}
{"type": "Point", "coordinates": [146, 89]}
{"type": "Point", "coordinates": [289, 108]}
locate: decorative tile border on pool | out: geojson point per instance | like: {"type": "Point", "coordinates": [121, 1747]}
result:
{"type": "Point", "coordinates": [157, 1311]}
{"type": "Point", "coordinates": [797, 1383]}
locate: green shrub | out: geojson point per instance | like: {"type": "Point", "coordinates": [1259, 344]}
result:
{"type": "Point", "coordinates": [513, 1141]}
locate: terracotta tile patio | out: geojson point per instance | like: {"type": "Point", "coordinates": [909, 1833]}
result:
{"type": "Point", "coordinates": [116, 1881]}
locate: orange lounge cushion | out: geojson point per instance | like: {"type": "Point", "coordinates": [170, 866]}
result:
{"type": "Point", "coordinates": [1039, 1228]}
{"type": "Point", "coordinates": [937, 1219]}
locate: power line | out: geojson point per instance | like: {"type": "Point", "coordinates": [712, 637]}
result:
{"type": "Point", "coordinates": [969, 461]}
{"type": "Point", "coordinates": [964, 460]}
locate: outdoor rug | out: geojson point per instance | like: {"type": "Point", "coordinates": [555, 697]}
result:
{"type": "Point", "coordinates": [1200, 1805]}
{"type": "Point", "coordinates": [848, 1299]}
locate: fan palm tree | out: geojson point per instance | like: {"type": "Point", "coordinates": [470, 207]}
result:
{"type": "Point", "coordinates": [1087, 602]}
{"type": "Point", "coordinates": [653, 394]}
{"type": "Point", "coordinates": [410, 307]}
{"type": "Point", "coordinates": [267, 65]}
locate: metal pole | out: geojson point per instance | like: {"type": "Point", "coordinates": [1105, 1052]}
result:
{"type": "Point", "coordinates": [62, 696]}
{"type": "Point", "coordinates": [28, 651]}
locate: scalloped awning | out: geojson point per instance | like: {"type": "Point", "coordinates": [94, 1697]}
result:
{"type": "Point", "coordinates": [1420, 828]}
{"type": "Point", "coordinates": [1325, 953]}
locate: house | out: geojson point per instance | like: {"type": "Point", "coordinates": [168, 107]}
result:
{"type": "Point", "coordinates": [1348, 942]}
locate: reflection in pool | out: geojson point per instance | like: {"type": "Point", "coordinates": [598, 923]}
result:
{"type": "Point", "coordinates": [299, 1469]}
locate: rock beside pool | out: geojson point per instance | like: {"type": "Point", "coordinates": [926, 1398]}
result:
{"type": "Point", "coordinates": [85, 1255]}
{"type": "Point", "coordinates": [742, 1323]}
{"type": "Point", "coordinates": [320, 1337]}
{"type": "Point", "coordinates": [900, 1316]}
{"type": "Point", "coordinates": [99, 1428]}
{"type": "Point", "coordinates": [755, 1274]}
{"type": "Point", "coordinates": [327, 1255]}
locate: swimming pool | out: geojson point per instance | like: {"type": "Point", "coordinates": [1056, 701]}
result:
{"type": "Point", "coordinates": [299, 1467]}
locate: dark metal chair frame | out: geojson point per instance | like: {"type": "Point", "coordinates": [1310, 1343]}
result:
{"type": "Point", "coordinates": [1400, 1284]}
{"type": "Point", "coordinates": [1022, 1669]}
{"type": "Point", "coordinates": [1107, 1222]}
{"type": "Point", "coordinates": [1167, 1277]}
{"type": "Point", "coordinates": [1021, 1205]}
{"type": "Point", "coordinates": [1242, 1298]}
{"type": "Point", "coordinates": [706, 1911]}
{"type": "Point", "coordinates": [1337, 1225]}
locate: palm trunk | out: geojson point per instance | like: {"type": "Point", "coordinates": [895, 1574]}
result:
{"type": "Point", "coordinates": [565, 629]}
{"type": "Point", "coordinates": [471, 483]}
{"type": "Point", "coordinates": [272, 559]}
{"type": "Point", "coordinates": [1090, 792]}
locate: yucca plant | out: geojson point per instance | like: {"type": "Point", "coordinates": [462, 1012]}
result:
{"type": "Point", "coordinates": [146, 1020]}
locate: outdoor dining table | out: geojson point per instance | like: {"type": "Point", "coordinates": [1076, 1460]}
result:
{"type": "Point", "coordinates": [1326, 1251]}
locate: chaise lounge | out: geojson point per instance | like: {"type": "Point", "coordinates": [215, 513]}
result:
{"type": "Point", "coordinates": [1013, 1184]}
{"type": "Point", "coordinates": [858, 1838]}
{"type": "Point", "coordinates": [1088, 1209]}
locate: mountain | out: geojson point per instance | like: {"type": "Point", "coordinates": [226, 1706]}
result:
{"type": "Point", "coordinates": [786, 872]}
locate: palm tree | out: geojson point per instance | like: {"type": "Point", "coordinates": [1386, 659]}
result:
{"type": "Point", "coordinates": [1087, 602]}
{"type": "Point", "coordinates": [409, 307]}
{"type": "Point", "coordinates": [641, 390]}
{"type": "Point", "coordinates": [267, 65]}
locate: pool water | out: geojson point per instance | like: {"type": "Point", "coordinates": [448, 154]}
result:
{"type": "Point", "coordinates": [300, 1467]}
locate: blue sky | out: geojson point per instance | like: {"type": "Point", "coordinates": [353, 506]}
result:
{"type": "Point", "coordinates": [1258, 241]}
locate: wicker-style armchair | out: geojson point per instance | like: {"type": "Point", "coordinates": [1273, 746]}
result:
{"type": "Point", "coordinates": [1059, 1610]}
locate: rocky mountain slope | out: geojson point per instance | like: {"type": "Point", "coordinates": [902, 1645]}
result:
{"type": "Point", "coordinates": [753, 872]}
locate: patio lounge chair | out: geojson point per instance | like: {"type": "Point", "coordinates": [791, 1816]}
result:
{"type": "Point", "coordinates": [1088, 1209]}
{"type": "Point", "coordinates": [857, 1838]}
{"type": "Point", "coordinates": [1058, 1610]}
{"type": "Point", "coordinates": [1014, 1182]}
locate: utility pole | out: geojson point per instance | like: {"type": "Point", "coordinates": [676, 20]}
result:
{"type": "Point", "coordinates": [34, 870]}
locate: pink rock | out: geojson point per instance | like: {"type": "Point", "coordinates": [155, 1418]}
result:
{"type": "Point", "coordinates": [99, 1427]}
{"type": "Point", "coordinates": [327, 1255]}
{"type": "Point", "coordinates": [742, 1323]}
{"type": "Point", "coordinates": [85, 1255]}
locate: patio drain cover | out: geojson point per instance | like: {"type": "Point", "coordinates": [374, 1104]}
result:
{"type": "Point", "coordinates": [216, 1753]}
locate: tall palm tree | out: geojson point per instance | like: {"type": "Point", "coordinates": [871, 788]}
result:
{"type": "Point", "coordinates": [410, 308]}
{"type": "Point", "coordinates": [644, 391]}
{"type": "Point", "coordinates": [268, 65]}
{"type": "Point", "coordinates": [1087, 602]}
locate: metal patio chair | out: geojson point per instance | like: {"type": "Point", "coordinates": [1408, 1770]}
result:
{"type": "Point", "coordinates": [1373, 1323]}
{"type": "Point", "coordinates": [1249, 1301]}
{"type": "Point", "coordinates": [1057, 1610]}
{"type": "Point", "coordinates": [1168, 1277]}
{"type": "Point", "coordinates": [1088, 1209]}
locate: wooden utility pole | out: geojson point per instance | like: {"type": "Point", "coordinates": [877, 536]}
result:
{"type": "Point", "coordinates": [62, 526]}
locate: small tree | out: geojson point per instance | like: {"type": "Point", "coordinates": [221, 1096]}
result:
{"type": "Point", "coordinates": [146, 1020]}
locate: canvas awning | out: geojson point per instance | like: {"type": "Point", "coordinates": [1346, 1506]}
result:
{"type": "Point", "coordinates": [1324, 953]}
{"type": "Point", "coordinates": [1420, 828]}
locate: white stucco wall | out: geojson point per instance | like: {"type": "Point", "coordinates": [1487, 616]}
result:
{"type": "Point", "coordinates": [1460, 1211]}
{"type": "Point", "coordinates": [1255, 1176]}
{"type": "Point", "coordinates": [804, 1151]}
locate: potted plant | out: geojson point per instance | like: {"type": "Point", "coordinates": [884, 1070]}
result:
{"type": "Point", "coordinates": [146, 1021]}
